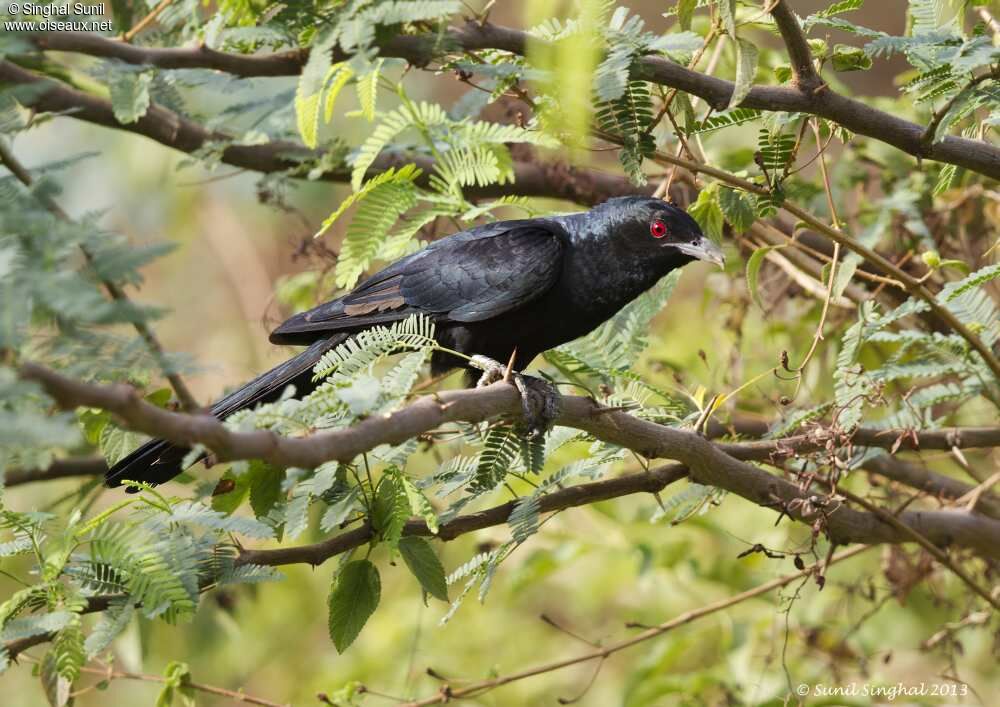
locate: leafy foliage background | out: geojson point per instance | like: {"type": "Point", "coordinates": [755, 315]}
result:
{"type": "Point", "coordinates": [243, 245]}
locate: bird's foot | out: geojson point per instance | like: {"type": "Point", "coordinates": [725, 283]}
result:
{"type": "Point", "coordinates": [540, 400]}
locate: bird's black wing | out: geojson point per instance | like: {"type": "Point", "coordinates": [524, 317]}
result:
{"type": "Point", "coordinates": [467, 277]}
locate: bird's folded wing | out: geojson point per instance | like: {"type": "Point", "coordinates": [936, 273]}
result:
{"type": "Point", "coordinates": [468, 277]}
{"type": "Point", "coordinates": [479, 278]}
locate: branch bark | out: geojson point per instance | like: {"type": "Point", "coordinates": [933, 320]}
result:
{"type": "Point", "coordinates": [59, 469]}
{"type": "Point", "coordinates": [651, 481]}
{"type": "Point", "coordinates": [420, 50]}
{"type": "Point", "coordinates": [534, 178]}
{"type": "Point", "coordinates": [712, 464]}
{"type": "Point", "coordinates": [804, 74]}
{"type": "Point", "coordinates": [937, 485]}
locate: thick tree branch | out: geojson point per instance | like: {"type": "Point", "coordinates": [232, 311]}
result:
{"type": "Point", "coordinates": [709, 463]}
{"type": "Point", "coordinates": [856, 116]}
{"type": "Point", "coordinates": [938, 485]}
{"type": "Point", "coordinates": [804, 73]}
{"type": "Point", "coordinates": [552, 180]}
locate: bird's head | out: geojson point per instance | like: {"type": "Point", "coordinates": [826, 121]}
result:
{"type": "Point", "coordinates": [657, 229]}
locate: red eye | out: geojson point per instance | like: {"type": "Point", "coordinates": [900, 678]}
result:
{"type": "Point", "coordinates": [657, 229]}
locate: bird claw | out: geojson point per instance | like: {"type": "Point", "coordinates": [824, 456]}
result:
{"type": "Point", "coordinates": [540, 400]}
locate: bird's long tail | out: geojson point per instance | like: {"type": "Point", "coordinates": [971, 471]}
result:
{"type": "Point", "coordinates": [158, 461]}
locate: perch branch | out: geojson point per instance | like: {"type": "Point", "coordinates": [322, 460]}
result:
{"type": "Point", "coordinates": [712, 464]}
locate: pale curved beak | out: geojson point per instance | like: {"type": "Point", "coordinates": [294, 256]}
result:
{"type": "Point", "coordinates": [703, 249]}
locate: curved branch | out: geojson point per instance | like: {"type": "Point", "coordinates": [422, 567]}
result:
{"type": "Point", "coordinates": [804, 73]}
{"type": "Point", "coordinates": [938, 485]}
{"type": "Point", "coordinates": [531, 178]}
{"type": "Point", "coordinates": [856, 116]}
{"type": "Point", "coordinates": [708, 463]}
{"type": "Point", "coordinates": [651, 481]}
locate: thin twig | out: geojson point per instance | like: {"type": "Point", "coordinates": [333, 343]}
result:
{"type": "Point", "coordinates": [818, 335]}
{"type": "Point", "coordinates": [913, 286]}
{"type": "Point", "coordinates": [926, 544]}
{"type": "Point", "coordinates": [147, 20]}
{"type": "Point", "coordinates": [654, 632]}
{"type": "Point", "coordinates": [108, 674]}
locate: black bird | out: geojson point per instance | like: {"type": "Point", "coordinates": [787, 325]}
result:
{"type": "Point", "coordinates": [507, 288]}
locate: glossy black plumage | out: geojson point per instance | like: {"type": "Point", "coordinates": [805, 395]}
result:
{"type": "Point", "coordinates": [526, 285]}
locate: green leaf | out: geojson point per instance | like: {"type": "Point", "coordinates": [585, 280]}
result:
{"type": "Point", "coordinates": [746, 70]}
{"type": "Point", "coordinates": [848, 266]}
{"type": "Point", "coordinates": [737, 209]}
{"type": "Point", "coordinates": [945, 179]}
{"type": "Point", "coordinates": [956, 264]}
{"type": "Point", "coordinates": [176, 684]}
{"type": "Point", "coordinates": [848, 58]}
{"type": "Point", "coordinates": [737, 116]}
{"type": "Point", "coordinates": [341, 509]}
{"type": "Point", "coordinates": [753, 270]}
{"type": "Point", "coordinates": [419, 115]}
{"type": "Point", "coordinates": [367, 89]}
{"type": "Point", "coordinates": [685, 11]}
{"type": "Point", "coordinates": [265, 487]}
{"type": "Point", "coordinates": [129, 92]}
{"type": "Point", "coordinates": [353, 600]}
{"type": "Point", "coordinates": [953, 290]}
{"type": "Point", "coordinates": [500, 448]}
{"type": "Point", "coordinates": [629, 117]}
{"type": "Point", "coordinates": [57, 688]}
{"type": "Point", "coordinates": [407, 173]}
{"type": "Point", "coordinates": [229, 501]}
{"type": "Point", "coordinates": [420, 506]}
{"type": "Point", "coordinates": [775, 149]}
{"type": "Point", "coordinates": [680, 42]}
{"type": "Point", "coordinates": [197, 513]}
{"type": "Point", "coordinates": [392, 508]}
{"type": "Point", "coordinates": [708, 213]}
{"type": "Point", "coordinates": [309, 91]}
{"type": "Point", "coordinates": [116, 443]}
{"type": "Point", "coordinates": [839, 7]}
{"type": "Point", "coordinates": [423, 562]}
{"type": "Point", "coordinates": [338, 77]}
{"type": "Point", "coordinates": [727, 11]}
